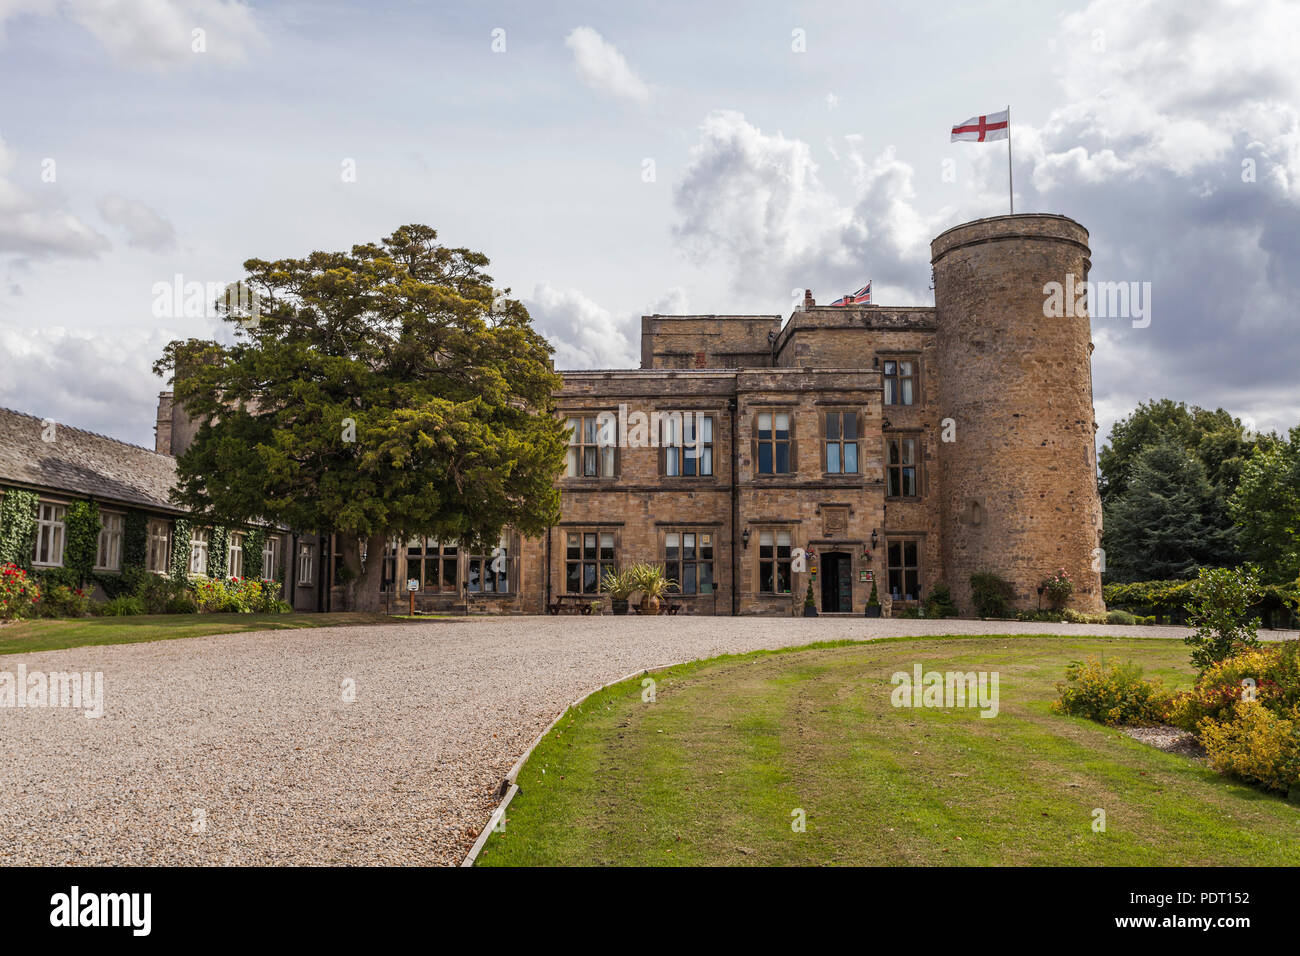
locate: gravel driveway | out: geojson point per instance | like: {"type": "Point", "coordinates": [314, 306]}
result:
{"type": "Point", "coordinates": [247, 739]}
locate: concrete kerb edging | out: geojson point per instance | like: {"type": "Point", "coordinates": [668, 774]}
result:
{"type": "Point", "coordinates": [511, 788]}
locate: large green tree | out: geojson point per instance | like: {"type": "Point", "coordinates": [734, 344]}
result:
{"type": "Point", "coordinates": [1159, 528]}
{"type": "Point", "coordinates": [1266, 507]}
{"type": "Point", "coordinates": [1216, 438]}
{"type": "Point", "coordinates": [388, 391]}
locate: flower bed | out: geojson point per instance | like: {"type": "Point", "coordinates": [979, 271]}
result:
{"type": "Point", "coordinates": [18, 593]}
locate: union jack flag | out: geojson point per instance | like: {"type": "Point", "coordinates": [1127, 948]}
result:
{"type": "Point", "coordinates": [861, 297]}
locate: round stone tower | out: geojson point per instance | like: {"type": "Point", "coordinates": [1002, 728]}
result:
{"type": "Point", "coordinates": [1018, 482]}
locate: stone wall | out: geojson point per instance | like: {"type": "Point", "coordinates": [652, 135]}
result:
{"type": "Point", "coordinates": [707, 341]}
{"type": "Point", "coordinates": [1019, 486]}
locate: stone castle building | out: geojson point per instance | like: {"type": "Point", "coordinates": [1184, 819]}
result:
{"type": "Point", "coordinates": [848, 446]}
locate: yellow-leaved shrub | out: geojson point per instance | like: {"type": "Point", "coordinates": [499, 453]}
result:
{"type": "Point", "coordinates": [1255, 744]}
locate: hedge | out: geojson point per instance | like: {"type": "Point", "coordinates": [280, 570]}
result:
{"type": "Point", "coordinates": [1168, 600]}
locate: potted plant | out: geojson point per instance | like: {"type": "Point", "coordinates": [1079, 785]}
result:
{"type": "Point", "coordinates": [873, 603]}
{"type": "Point", "coordinates": [653, 583]}
{"type": "Point", "coordinates": [809, 605]}
{"type": "Point", "coordinates": [619, 586]}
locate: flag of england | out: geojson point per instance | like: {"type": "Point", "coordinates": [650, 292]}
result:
{"type": "Point", "coordinates": [981, 129]}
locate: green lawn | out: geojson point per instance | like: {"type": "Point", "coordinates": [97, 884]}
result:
{"type": "Point", "coordinates": [52, 635]}
{"type": "Point", "coordinates": [711, 771]}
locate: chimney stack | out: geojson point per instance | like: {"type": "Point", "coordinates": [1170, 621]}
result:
{"type": "Point", "coordinates": [162, 440]}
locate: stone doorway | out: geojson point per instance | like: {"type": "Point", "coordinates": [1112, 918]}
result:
{"type": "Point", "coordinates": [837, 582]}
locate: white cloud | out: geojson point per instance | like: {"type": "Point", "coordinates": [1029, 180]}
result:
{"type": "Point", "coordinates": [145, 228]}
{"type": "Point", "coordinates": [154, 34]}
{"type": "Point", "coordinates": [1175, 86]}
{"type": "Point", "coordinates": [603, 68]}
{"type": "Point", "coordinates": [584, 334]}
{"type": "Point", "coordinates": [673, 302]}
{"type": "Point", "coordinates": [756, 201]}
{"type": "Point", "coordinates": [1078, 165]}
{"type": "Point", "coordinates": [587, 335]}
{"type": "Point", "coordinates": [34, 225]}
{"type": "Point", "coordinates": [99, 382]}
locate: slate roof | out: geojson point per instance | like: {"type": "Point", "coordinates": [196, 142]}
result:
{"type": "Point", "coordinates": [83, 464]}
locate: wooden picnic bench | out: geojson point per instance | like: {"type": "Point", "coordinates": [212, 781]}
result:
{"type": "Point", "coordinates": [571, 604]}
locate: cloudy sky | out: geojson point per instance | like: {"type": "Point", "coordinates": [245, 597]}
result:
{"type": "Point", "coordinates": [616, 159]}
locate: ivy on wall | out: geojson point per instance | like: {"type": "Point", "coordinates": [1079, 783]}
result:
{"type": "Point", "coordinates": [18, 527]}
{"type": "Point", "coordinates": [57, 577]}
{"type": "Point", "coordinates": [82, 546]}
{"type": "Point", "coordinates": [254, 542]}
{"type": "Point", "coordinates": [181, 535]}
{"type": "Point", "coordinates": [217, 542]}
{"type": "Point", "coordinates": [135, 542]}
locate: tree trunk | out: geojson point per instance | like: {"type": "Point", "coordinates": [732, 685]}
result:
{"type": "Point", "coordinates": [362, 591]}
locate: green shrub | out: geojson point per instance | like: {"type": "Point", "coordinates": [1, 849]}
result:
{"type": "Point", "coordinates": [237, 596]}
{"type": "Point", "coordinates": [181, 604]}
{"type": "Point", "coordinates": [1113, 694]}
{"type": "Point", "coordinates": [1120, 617]}
{"type": "Point", "coordinates": [940, 603]}
{"type": "Point", "coordinates": [991, 594]}
{"type": "Point", "coordinates": [1079, 617]}
{"type": "Point", "coordinates": [63, 601]}
{"type": "Point", "coordinates": [115, 585]}
{"type": "Point", "coordinates": [1053, 617]}
{"type": "Point", "coordinates": [211, 596]}
{"type": "Point", "coordinates": [1219, 610]}
{"type": "Point", "coordinates": [1169, 599]}
{"type": "Point", "coordinates": [156, 592]}
{"type": "Point", "coordinates": [122, 606]}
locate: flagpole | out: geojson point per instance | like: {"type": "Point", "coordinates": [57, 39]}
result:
{"type": "Point", "coordinates": [1011, 188]}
